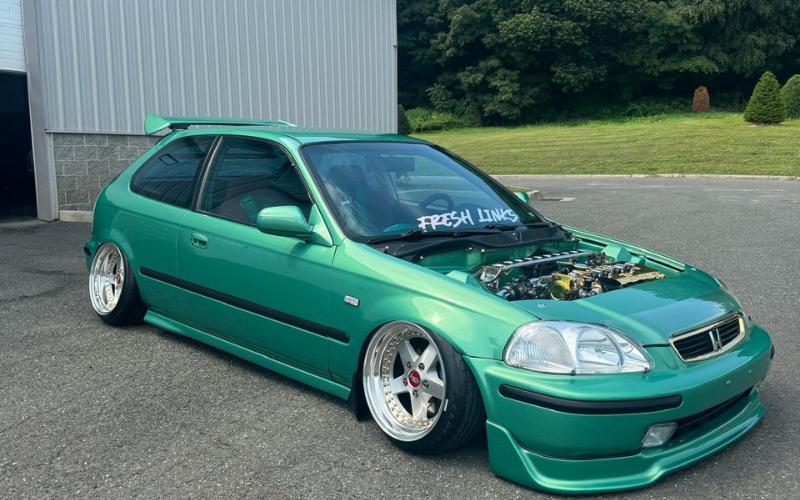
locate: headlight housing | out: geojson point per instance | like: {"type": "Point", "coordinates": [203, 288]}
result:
{"type": "Point", "coordinates": [570, 348]}
{"type": "Point", "coordinates": [748, 322]}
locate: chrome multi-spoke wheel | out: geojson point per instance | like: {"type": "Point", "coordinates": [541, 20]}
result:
{"type": "Point", "coordinates": [113, 289]}
{"type": "Point", "coordinates": [106, 279]}
{"type": "Point", "coordinates": [404, 381]}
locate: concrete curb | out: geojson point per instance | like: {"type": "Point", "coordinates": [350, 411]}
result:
{"type": "Point", "coordinates": [75, 216]}
{"type": "Point", "coordinates": [522, 177]}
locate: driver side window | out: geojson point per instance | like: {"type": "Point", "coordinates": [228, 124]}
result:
{"type": "Point", "coordinates": [247, 176]}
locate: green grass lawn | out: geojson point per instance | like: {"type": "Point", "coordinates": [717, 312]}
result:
{"type": "Point", "coordinates": [713, 143]}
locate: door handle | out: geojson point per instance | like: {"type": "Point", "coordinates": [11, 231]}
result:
{"type": "Point", "coordinates": [199, 240]}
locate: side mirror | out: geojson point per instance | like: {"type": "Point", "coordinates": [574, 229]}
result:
{"type": "Point", "coordinates": [286, 221]}
{"type": "Point", "coordinates": [522, 195]}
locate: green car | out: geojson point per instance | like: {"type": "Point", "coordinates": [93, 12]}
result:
{"type": "Point", "coordinates": [391, 273]}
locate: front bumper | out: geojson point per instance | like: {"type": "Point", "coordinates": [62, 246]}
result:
{"type": "Point", "coordinates": [563, 449]}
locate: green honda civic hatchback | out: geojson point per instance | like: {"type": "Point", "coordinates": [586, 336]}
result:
{"type": "Point", "coordinates": [391, 273]}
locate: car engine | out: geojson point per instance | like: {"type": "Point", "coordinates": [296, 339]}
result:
{"type": "Point", "coordinates": [560, 276]}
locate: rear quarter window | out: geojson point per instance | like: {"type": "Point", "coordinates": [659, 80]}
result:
{"type": "Point", "coordinates": [170, 175]}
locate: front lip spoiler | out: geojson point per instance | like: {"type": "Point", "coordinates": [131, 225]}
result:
{"type": "Point", "coordinates": [591, 407]}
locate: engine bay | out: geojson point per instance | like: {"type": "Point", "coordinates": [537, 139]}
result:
{"type": "Point", "coordinates": [566, 275]}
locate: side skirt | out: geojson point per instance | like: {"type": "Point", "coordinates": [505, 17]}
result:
{"type": "Point", "coordinates": [322, 384]}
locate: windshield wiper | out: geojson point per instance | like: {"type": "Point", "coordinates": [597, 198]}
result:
{"type": "Point", "coordinates": [509, 227]}
{"type": "Point", "coordinates": [502, 227]}
{"type": "Point", "coordinates": [418, 233]}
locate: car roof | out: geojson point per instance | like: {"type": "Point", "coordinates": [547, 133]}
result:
{"type": "Point", "coordinates": [308, 135]}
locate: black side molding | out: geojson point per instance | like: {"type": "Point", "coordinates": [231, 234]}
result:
{"type": "Point", "coordinates": [252, 307]}
{"type": "Point", "coordinates": [591, 407]}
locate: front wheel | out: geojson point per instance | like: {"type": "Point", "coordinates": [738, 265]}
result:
{"type": "Point", "coordinates": [420, 391]}
{"type": "Point", "coordinates": [112, 287]}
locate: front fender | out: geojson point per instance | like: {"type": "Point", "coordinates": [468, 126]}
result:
{"type": "Point", "coordinates": [473, 321]}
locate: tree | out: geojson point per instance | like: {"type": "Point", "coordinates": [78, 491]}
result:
{"type": "Point", "coordinates": [511, 60]}
{"type": "Point", "coordinates": [418, 22]}
{"type": "Point", "coordinates": [791, 97]}
{"type": "Point", "coordinates": [505, 57]}
{"type": "Point", "coordinates": [403, 125]}
{"type": "Point", "coordinates": [713, 37]}
{"type": "Point", "coordinates": [766, 104]}
{"type": "Point", "coordinates": [701, 102]}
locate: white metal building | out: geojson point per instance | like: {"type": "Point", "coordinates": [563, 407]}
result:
{"type": "Point", "coordinates": [94, 68]}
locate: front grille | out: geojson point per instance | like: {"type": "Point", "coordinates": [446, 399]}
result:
{"type": "Point", "coordinates": [710, 340]}
{"type": "Point", "coordinates": [692, 422]}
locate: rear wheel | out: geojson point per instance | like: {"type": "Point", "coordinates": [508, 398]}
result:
{"type": "Point", "coordinates": [112, 287]}
{"type": "Point", "coordinates": [419, 390]}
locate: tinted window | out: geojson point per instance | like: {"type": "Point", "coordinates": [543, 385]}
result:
{"type": "Point", "coordinates": [248, 176]}
{"type": "Point", "coordinates": [380, 189]}
{"type": "Point", "coordinates": [171, 174]}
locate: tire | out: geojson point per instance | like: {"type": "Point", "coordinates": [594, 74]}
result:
{"type": "Point", "coordinates": [113, 292]}
{"type": "Point", "coordinates": [420, 391]}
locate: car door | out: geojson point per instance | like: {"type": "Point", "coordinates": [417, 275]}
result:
{"type": "Point", "coordinates": [165, 184]}
{"type": "Point", "coordinates": [264, 292]}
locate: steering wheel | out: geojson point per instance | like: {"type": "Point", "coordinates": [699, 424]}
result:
{"type": "Point", "coordinates": [438, 196]}
{"type": "Point", "coordinates": [474, 207]}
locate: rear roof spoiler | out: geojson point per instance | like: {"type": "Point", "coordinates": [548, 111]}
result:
{"type": "Point", "coordinates": [154, 124]}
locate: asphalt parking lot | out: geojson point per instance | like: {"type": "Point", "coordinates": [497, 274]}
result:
{"type": "Point", "coordinates": [92, 411]}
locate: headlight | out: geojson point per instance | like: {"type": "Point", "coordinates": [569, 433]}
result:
{"type": "Point", "coordinates": [575, 349]}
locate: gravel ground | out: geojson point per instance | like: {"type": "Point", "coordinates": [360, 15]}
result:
{"type": "Point", "coordinates": [92, 411]}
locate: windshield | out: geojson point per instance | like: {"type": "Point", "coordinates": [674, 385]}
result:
{"type": "Point", "coordinates": [379, 189]}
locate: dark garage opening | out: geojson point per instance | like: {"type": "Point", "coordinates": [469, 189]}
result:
{"type": "Point", "coordinates": [17, 184]}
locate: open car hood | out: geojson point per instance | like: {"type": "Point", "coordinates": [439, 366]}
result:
{"type": "Point", "coordinates": [651, 312]}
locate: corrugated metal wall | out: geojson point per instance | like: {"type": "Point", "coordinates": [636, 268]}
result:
{"type": "Point", "coordinates": [12, 49]}
{"type": "Point", "coordinates": [322, 63]}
